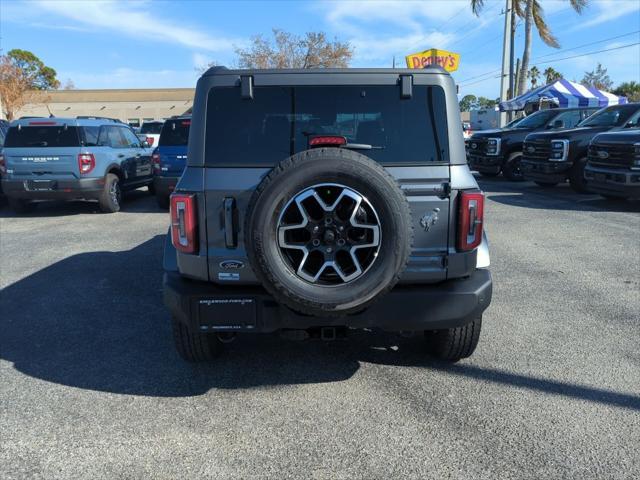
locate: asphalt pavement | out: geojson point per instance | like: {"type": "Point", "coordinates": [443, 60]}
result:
{"type": "Point", "coordinates": [91, 386]}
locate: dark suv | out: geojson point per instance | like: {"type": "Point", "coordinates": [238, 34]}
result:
{"type": "Point", "coordinates": [493, 151]}
{"type": "Point", "coordinates": [550, 158]}
{"type": "Point", "coordinates": [613, 164]}
{"type": "Point", "coordinates": [170, 157]}
{"type": "Point", "coordinates": [319, 200]}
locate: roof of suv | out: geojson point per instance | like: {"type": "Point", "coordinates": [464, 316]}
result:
{"type": "Point", "coordinates": [74, 121]}
{"type": "Point", "coordinates": [220, 70]}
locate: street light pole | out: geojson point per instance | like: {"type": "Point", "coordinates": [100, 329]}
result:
{"type": "Point", "coordinates": [505, 79]}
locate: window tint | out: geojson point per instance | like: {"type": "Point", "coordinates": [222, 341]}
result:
{"type": "Point", "coordinates": [610, 117]}
{"type": "Point", "coordinates": [154, 127]}
{"type": "Point", "coordinates": [90, 136]}
{"type": "Point", "coordinates": [175, 132]}
{"type": "Point", "coordinates": [130, 138]}
{"type": "Point", "coordinates": [634, 121]}
{"type": "Point", "coordinates": [570, 118]}
{"type": "Point", "coordinates": [537, 119]}
{"type": "Point", "coordinates": [269, 128]}
{"type": "Point", "coordinates": [41, 136]}
{"type": "Point", "coordinates": [246, 131]}
{"type": "Point", "coordinates": [111, 137]}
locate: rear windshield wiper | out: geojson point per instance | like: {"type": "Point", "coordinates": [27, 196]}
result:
{"type": "Point", "coordinates": [361, 146]}
{"type": "Point", "coordinates": [38, 144]}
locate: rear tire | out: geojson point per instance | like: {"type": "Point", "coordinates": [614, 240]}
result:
{"type": "Point", "coordinates": [545, 184]}
{"type": "Point", "coordinates": [511, 168]}
{"type": "Point", "coordinates": [163, 201]}
{"type": "Point", "coordinates": [111, 195]}
{"type": "Point", "coordinates": [576, 177]}
{"type": "Point", "coordinates": [453, 344]}
{"type": "Point", "coordinates": [194, 346]}
{"type": "Point", "coordinates": [20, 205]}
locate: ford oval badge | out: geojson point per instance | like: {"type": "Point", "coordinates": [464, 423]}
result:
{"type": "Point", "coordinates": [231, 264]}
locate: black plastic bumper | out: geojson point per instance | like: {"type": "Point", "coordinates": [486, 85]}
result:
{"type": "Point", "coordinates": [552, 172]}
{"type": "Point", "coordinates": [485, 164]}
{"type": "Point", "coordinates": [208, 307]}
{"type": "Point", "coordinates": [614, 182]}
{"type": "Point", "coordinates": [164, 186]}
{"type": "Point", "coordinates": [65, 189]}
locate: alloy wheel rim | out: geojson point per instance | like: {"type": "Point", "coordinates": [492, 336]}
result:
{"type": "Point", "coordinates": [329, 234]}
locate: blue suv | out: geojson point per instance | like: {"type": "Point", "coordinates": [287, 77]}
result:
{"type": "Point", "coordinates": [85, 158]}
{"type": "Point", "coordinates": [170, 158]}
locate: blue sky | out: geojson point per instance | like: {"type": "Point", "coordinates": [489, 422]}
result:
{"type": "Point", "coordinates": [138, 44]}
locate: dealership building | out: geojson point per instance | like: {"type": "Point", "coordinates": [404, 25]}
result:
{"type": "Point", "coordinates": [132, 106]}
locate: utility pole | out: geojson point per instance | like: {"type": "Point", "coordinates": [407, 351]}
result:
{"type": "Point", "coordinates": [505, 78]}
{"type": "Point", "coordinates": [512, 73]}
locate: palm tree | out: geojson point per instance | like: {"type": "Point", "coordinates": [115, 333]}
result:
{"type": "Point", "coordinates": [534, 74]}
{"type": "Point", "coordinates": [551, 75]}
{"type": "Point", "coordinates": [532, 12]}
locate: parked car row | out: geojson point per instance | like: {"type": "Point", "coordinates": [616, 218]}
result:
{"type": "Point", "coordinates": [87, 158]}
{"type": "Point", "coordinates": [595, 150]}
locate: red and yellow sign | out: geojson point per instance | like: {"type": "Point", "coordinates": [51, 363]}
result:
{"type": "Point", "coordinates": [447, 60]}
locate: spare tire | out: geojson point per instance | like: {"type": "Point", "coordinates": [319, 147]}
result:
{"type": "Point", "coordinates": [328, 231]}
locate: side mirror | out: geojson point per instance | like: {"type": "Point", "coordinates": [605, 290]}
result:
{"type": "Point", "coordinates": [557, 124]}
{"type": "Point", "coordinates": [145, 144]}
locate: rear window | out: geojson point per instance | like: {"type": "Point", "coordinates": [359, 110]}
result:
{"type": "Point", "coordinates": [152, 128]}
{"type": "Point", "coordinates": [42, 136]}
{"type": "Point", "coordinates": [279, 121]}
{"type": "Point", "coordinates": [175, 133]}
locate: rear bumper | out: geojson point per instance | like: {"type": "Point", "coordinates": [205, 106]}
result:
{"type": "Point", "coordinates": [165, 185]}
{"type": "Point", "coordinates": [545, 171]}
{"type": "Point", "coordinates": [615, 182]}
{"type": "Point", "coordinates": [208, 307]}
{"type": "Point", "coordinates": [485, 164]}
{"type": "Point", "coordinates": [67, 189]}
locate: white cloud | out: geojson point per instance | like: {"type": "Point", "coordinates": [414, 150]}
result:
{"type": "Point", "coordinates": [408, 14]}
{"type": "Point", "coordinates": [607, 10]}
{"type": "Point", "coordinates": [138, 19]}
{"type": "Point", "coordinates": [200, 61]}
{"type": "Point", "coordinates": [370, 49]}
{"type": "Point", "coordinates": [132, 78]}
{"type": "Point", "coordinates": [416, 25]}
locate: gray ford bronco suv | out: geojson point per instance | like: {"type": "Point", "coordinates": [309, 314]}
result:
{"type": "Point", "coordinates": [315, 201]}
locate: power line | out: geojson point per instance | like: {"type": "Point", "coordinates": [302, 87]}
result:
{"type": "Point", "coordinates": [556, 53]}
{"type": "Point", "coordinates": [464, 7]}
{"type": "Point", "coordinates": [586, 45]}
{"type": "Point", "coordinates": [473, 30]}
{"type": "Point", "coordinates": [588, 53]}
{"type": "Point", "coordinates": [557, 60]}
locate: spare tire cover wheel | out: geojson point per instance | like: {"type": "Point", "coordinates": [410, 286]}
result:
{"type": "Point", "coordinates": [328, 232]}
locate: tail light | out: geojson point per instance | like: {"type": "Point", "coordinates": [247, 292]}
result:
{"type": "Point", "coordinates": [470, 220]}
{"type": "Point", "coordinates": [3, 165]}
{"type": "Point", "coordinates": [155, 161]}
{"type": "Point", "coordinates": [184, 225]}
{"type": "Point", "coordinates": [86, 163]}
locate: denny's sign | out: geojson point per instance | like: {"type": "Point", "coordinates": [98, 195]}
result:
{"type": "Point", "coordinates": [447, 60]}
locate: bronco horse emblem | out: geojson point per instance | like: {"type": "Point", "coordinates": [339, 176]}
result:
{"type": "Point", "coordinates": [429, 219]}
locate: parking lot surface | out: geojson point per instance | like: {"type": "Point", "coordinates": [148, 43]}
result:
{"type": "Point", "coordinates": [92, 387]}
